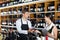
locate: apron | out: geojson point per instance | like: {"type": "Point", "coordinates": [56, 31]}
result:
{"type": "Point", "coordinates": [49, 28]}
{"type": "Point", "coordinates": [24, 27]}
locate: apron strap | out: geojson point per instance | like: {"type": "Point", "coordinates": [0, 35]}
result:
{"type": "Point", "coordinates": [22, 21]}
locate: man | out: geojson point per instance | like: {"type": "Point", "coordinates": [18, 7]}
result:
{"type": "Point", "coordinates": [23, 26]}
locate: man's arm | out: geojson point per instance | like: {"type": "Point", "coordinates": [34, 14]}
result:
{"type": "Point", "coordinates": [30, 26]}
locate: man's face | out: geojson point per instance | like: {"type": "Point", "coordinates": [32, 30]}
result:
{"type": "Point", "coordinates": [26, 15]}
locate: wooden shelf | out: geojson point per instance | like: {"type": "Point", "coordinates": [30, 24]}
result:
{"type": "Point", "coordinates": [35, 2]}
{"type": "Point", "coordinates": [57, 11]}
{"type": "Point", "coordinates": [30, 13]}
{"type": "Point", "coordinates": [8, 26]}
{"type": "Point", "coordinates": [33, 15]}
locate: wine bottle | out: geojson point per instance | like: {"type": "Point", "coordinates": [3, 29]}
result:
{"type": "Point", "coordinates": [20, 1]}
{"type": "Point", "coordinates": [41, 15]}
{"type": "Point", "coordinates": [10, 16]}
{"type": "Point", "coordinates": [14, 11]}
{"type": "Point", "coordinates": [23, 1]}
{"type": "Point", "coordinates": [4, 23]}
{"type": "Point", "coordinates": [51, 7]}
{"type": "Point", "coordinates": [10, 22]}
{"type": "Point", "coordinates": [58, 7]}
{"type": "Point", "coordinates": [11, 3]}
{"type": "Point", "coordinates": [3, 5]}
{"type": "Point", "coordinates": [14, 16]}
{"type": "Point", "coordinates": [57, 24]}
{"type": "Point", "coordinates": [32, 9]}
{"type": "Point", "coordinates": [19, 16]}
{"type": "Point", "coordinates": [33, 21]}
{"type": "Point", "coordinates": [7, 4]}
{"type": "Point", "coordinates": [14, 24]}
{"type": "Point", "coordinates": [26, 8]}
{"type": "Point", "coordinates": [19, 10]}
{"type": "Point", "coordinates": [41, 8]}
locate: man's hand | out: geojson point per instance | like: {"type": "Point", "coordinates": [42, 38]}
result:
{"type": "Point", "coordinates": [38, 31]}
{"type": "Point", "coordinates": [31, 30]}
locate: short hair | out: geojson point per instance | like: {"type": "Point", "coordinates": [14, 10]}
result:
{"type": "Point", "coordinates": [49, 15]}
{"type": "Point", "coordinates": [10, 28]}
{"type": "Point", "coordinates": [23, 12]}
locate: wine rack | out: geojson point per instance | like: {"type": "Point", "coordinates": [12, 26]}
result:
{"type": "Point", "coordinates": [11, 10]}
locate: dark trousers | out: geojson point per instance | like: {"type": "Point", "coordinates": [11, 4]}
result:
{"type": "Point", "coordinates": [23, 37]}
{"type": "Point", "coordinates": [32, 36]}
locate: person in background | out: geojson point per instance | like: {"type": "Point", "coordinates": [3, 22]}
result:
{"type": "Point", "coordinates": [1, 36]}
{"type": "Point", "coordinates": [11, 35]}
{"type": "Point", "coordinates": [51, 28]}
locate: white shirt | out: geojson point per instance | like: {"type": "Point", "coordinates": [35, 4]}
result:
{"type": "Point", "coordinates": [48, 27]}
{"type": "Point", "coordinates": [18, 26]}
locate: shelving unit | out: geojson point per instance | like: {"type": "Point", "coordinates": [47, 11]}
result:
{"type": "Point", "coordinates": [9, 14]}
{"type": "Point", "coordinates": [38, 9]}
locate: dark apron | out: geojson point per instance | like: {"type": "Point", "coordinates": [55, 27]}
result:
{"type": "Point", "coordinates": [24, 27]}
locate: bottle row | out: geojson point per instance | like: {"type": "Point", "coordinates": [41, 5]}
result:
{"type": "Point", "coordinates": [40, 7]}
{"type": "Point", "coordinates": [14, 2]}
{"type": "Point", "coordinates": [20, 11]}
{"type": "Point", "coordinates": [36, 24]}
{"type": "Point", "coordinates": [12, 18]}
{"type": "Point", "coordinates": [35, 15]}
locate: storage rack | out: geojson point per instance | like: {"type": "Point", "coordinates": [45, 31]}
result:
{"type": "Point", "coordinates": [10, 14]}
